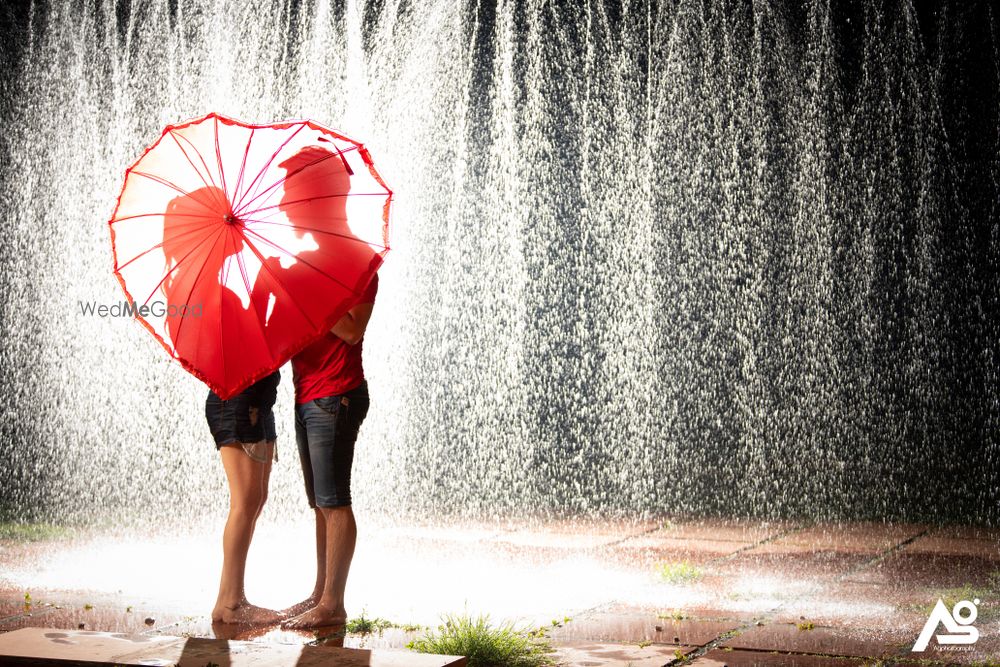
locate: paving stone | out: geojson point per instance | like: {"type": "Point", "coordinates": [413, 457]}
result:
{"type": "Point", "coordinates": [723, 658]}
{"type": "Point", "coordinates": [930, 570]}
{"type": "Point", "coordinates": [99, 619]}
{"type": "Point", "coordinates": [604, 654]}
{"type": "Point", "coordinates": [725, 529]}
{"type": "Point", "coordinates": [641, 627]}
{"type": "Point", "coordinates": [573, 534]}
{"type": "Point", "coordinates": [956, 546]}
{"type": "Point", "coordinates": [32, 644]}
{"type": "Point", "coordinates": [863, 537]}
{"type": "Point", "coordinates": [973, 532]}
{"type": "Point", "coordinates": [790, 561]}
{"type": "Point", "coordinates": [825, 640]}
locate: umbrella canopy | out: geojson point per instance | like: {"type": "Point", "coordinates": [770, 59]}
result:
{"type": "Point", "coordinates": [240, 244]}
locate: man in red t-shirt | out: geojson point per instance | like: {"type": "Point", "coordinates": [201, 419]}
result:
{"type": "Point", "coordinates": [331, 401]}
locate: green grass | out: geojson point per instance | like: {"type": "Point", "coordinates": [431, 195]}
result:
{"type": "Point", "coordinates": [486, 645]}
{"type": "Point", "coordinates": [987, 594]}
{"type": "Point", "coordinates": [362, 625]}
{"type": "Point", "coordinates": [31, 532]}
{"type": "Point", "coordinates": [680, 572]}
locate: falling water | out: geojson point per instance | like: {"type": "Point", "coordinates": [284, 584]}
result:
{"type": "Point", "coordinates": [685, 257]}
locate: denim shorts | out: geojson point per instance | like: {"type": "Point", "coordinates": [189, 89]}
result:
{"type": "Point", "coordinates": [325, 431]}
{"type": "Point", "coordinates": [245, 418]}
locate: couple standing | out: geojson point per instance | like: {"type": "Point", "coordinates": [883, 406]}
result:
{"type": "Point", "coordinates": [331, 394]}
{"type": "Point", "coordinates": [331, 402]}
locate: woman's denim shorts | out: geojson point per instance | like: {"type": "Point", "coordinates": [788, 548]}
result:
{"type": "Point", "coordinates": [325, 431]}
{"type": "Point", "coordinates": [245, 418]}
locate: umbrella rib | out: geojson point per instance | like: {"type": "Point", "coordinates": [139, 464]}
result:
{"type": "Point", "coordinates": [243, 165]}
{"type": "Point", "coordinates": [159, 213]}
{"type": "Point", "coordinates": [340, 153]}
{"type": "Point", "coordinates": [162, 181]}
{"type": "Point", "coordinates": [271, 187]}
{"type": "Point", "coordinates": [270, 272]}
{"type": "Point", "coordinates": [201, 269]}
{"type": "Point", "coordinates": [348, 237]}
{"type": "Point", "coordinates": [196, 170]}
{"type": "Point", "coordinates": [160, 245]}
{"type": "Point", "coordinates": [167, 274]}
{"type": "Point", "coordinates": [267, 165]}
{"type": "Point", "coordinates": [309, 199]}
{"type": "Point", "coordinates": [246, 283]}
{"type": "Point", "coordinates": [299, 259]}
{"type": "Point", "coordinates": [218, 160]}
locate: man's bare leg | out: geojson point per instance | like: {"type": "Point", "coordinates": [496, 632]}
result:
{"type": "Point", "coordinates": [341, 536]}
{"type": "Point", "coordinates": [317, 591]}
{"type": "Point", "coordinates": [248, 481]}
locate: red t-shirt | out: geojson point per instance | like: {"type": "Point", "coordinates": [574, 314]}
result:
{"type": "Point", "coordinates": [330, 366]}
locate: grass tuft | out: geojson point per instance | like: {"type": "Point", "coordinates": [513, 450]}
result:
{"type": "Point", "coordinates": [680, 572]}
{"type": "Point", "coordinates": [31, 532]}
{"type": "Point", "coordinates": [362, 625]}
{"type": "Point", "coordinates": [486, 645]}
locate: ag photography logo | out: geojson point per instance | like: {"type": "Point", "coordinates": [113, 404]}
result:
{"type": "Point", "coordinates": [958, 624]}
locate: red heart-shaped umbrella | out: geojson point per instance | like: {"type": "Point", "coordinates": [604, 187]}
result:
{"type": "Point", "coordinates": [238, 244]}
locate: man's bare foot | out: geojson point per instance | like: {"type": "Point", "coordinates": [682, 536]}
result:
{"type": "Point", "coordinates": [245, 613]}
{"type": "Point", "coordinates": [317, 617]}
{"type": "Point", "coordinates": [300, 607]}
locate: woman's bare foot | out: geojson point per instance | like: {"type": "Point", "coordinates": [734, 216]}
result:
{"type": "Point", "coordinates": [317, 617]}
{"type": "Point", "coordinates": [300, 607]}
{"type": "Point", "coordinates": [245, 613]}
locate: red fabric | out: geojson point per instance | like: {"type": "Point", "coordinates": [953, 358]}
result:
{"type": "Point", "coordinates": [224, 232]}
{"type": "Point", "coordinates": [330, 366]}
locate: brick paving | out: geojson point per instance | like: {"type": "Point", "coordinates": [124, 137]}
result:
{"type": "Point", "coordinates": [665, 592]}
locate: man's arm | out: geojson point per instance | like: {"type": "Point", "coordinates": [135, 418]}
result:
{"type": "Point", "coordinates": [351, 327]}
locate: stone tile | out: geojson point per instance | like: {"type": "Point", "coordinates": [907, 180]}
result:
{"type": "Point", "coordinates": [724, 658]}
{"type": "Point", "coordinates": [583, 534]}
{"type": "Point", "coordinates": [861, 642]}
{"type": "Point", "coordinates": [603, 654]}
{"type": "Point", "coordinates": [734, 530]}
{"type": "Point", "coordinates": [956, 546]}
{"type": "Point", "coordinates": [648, 554]}
{"type": "Point", "coordinates": [390, 638]}
{"type": "Point", "coordinates": [192, 652]}
{"type": "Point", "coordinates": [790, 561]}
{"type": "Point", "coordinates": [863, 537]}
{"type": "Point", "coordinates": [851, 604]}
{"type": "Point", "coordinates": [658, 541]}
{"type": "Point", "coordinates": [100, 619]}
{"type": "Point", "coordinates": [929, 570]}
{"type": "Point", "coordinates": [634, 628]}
{"type": "Point", "coordinates": [970, 532]}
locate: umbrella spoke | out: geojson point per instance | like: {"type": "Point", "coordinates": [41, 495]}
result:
{"type": "Point", "coordinates": [271, 187]}
{"type": "Point", "coordinates": [300, 259]}
{"type": "Point", "coordinates": [284, 178]}
{"type": "Point", "coordinates": [274, 279]}
{"type": "Point", "coordinates": [243, 165]}
{"type": "Point", "coordinates": [222, 205]}
{"type": "Point", "coordinates": [159, 245]}
{"type": "Point", "coordinates": [309, 199]}
{"type": "Point", "coordinates": [194, 283]}
{"type": "Point", "coordinates": [289, 225]}
{"type": "Point", "coordinates": [263, 170]}
{"type": "Point", "coordinates": [218, 160]}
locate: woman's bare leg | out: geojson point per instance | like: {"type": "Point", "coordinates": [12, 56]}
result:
{"type": "Point", "coordinates": [248, 480]}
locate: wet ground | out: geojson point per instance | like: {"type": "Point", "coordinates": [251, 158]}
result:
{"type": "Point", "coordinates": [698, 592]}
